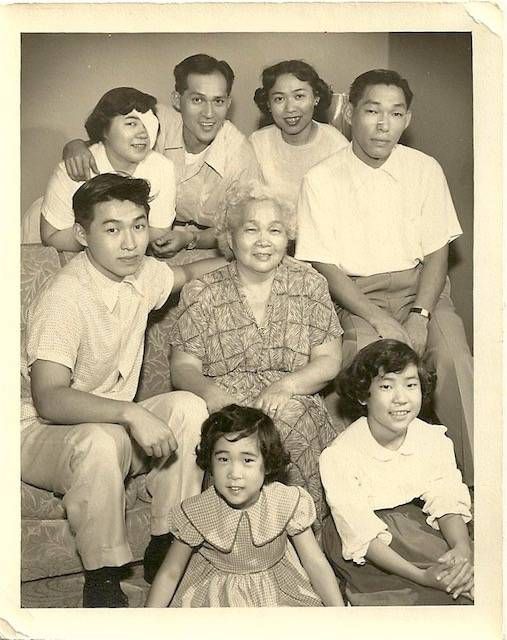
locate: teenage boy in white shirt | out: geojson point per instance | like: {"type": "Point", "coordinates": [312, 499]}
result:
{"type": "Point", "coordinates": [82, 434]}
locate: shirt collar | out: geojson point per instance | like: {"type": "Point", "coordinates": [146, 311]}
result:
{"type": "Point", "coordinates": [100, 155]}
{"type": "Point", "coordinates": [372, 448]}
{"type": "Point", "coordinates": [392, 166]}
{"type": "Point", "coordinates": [218, 523]}
{"type": "Point", "coordinates": [215, 156]}
{"type": "Point", "coordinates": [108, 289]}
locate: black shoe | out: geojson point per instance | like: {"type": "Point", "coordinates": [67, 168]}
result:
{"type": "Point", "coordinates": [154, 555]}
{"type": "Point", "coordinates": [102, 589]}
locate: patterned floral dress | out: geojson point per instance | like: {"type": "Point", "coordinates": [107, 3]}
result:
{"type": "Point", "coordinates": [241, 558]}
{"type": "Point", "coordinates": [215, 324]}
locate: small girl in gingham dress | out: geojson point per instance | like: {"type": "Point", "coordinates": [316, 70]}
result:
{"type": "Point", "coordinates": [234, 535]}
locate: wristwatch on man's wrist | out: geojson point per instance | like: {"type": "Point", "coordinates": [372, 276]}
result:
{"type": "Point", "coordinates": [422, 312]}
{"type": "Point", "coordinates": [192, 244]}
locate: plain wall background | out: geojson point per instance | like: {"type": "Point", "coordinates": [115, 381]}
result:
{"type": "Point", "coordinates": [438, 67]}
{"type": "Point", "coordinates": [64, 75]}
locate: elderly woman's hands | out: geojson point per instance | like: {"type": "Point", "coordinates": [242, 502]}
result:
{"type": "Point", "coordinates": [273, 398]}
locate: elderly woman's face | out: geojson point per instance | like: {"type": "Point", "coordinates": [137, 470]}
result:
{"type": "Point", "coordinates": [260, 241]}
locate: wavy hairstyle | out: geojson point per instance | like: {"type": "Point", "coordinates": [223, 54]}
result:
{"type": "Point", "coordinates": [378, 358]}
{"type": "Point", "coordinates": [238, 197]}
{"type": "Point", "coordinates": [116, 102]}
{"type": "Point", "coordinates": [235, 423]}
{"type": "Point", "coordinates": [304, 72]}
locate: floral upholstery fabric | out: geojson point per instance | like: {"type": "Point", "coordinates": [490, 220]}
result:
{"type": "Point", "coordinates": [48, 548]}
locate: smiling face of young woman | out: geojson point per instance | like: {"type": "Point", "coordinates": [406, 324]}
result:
{"type": "Point", "coordinates": [127, 142]}
{"type": "Point", "coordinates": [394, 401]}
{"type": "Point", "coordinates": [292, 103]}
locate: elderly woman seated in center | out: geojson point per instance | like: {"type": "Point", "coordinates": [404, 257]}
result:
{"type": "Point", "coordinates": [262, 331]}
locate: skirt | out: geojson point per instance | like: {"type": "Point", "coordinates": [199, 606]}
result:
{"type": "Point", "coordinates": [414, 540]}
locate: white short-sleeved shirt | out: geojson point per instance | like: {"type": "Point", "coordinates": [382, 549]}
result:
{"type": "Point", "coordinates": [94, 326]}
{"type": "Point", "coordinates": [283, 165]}
{"type": "Point", "coordinates": [368, 221]}
{"type": "Point", "coordinates": [360, 476]}
{"type": "Point", "coordinates": [157, 169]}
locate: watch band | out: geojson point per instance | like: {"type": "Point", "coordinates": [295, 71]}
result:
{"type": "Point", "coordinates": [421, 311]}
{"type": "Point", "coordinates": [193, 243]}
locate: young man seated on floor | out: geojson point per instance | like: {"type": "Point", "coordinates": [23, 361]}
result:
{"type": "Point", "coordinates": [82, 434]}
{"type": "Point", "coordinates": [376, 219]}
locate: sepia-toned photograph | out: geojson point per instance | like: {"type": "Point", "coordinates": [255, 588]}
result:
{"type": "Point", "coordinates": [252, 278]}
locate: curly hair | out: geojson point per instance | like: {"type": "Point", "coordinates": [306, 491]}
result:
{"type": "Point", "coordinates": [106, 187]}
{"type": "Point", "coordinates": [380, 357]}
{"type": "Point", "coordinates": [235, 423]}
{"type": "Point", "coordinates": [238, 197]}
{"type": "Point", "coordinates": [304, 72]}
{"type": "Point", "coordinates": [116, 102]}
{"type": "Point", "coordinates": [202, 64]}
{"type": "Point", "coordinates": [379, 76]}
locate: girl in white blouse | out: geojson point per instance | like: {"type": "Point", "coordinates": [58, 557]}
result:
{"type": "Point", "coordinates": [398, 531]}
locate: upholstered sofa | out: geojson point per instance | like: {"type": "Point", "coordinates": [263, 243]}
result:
{"type": "Point", "coordinates": [51, 571]}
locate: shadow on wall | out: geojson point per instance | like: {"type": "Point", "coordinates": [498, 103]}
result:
{"type": "Point", "coordinates": [35, 146]}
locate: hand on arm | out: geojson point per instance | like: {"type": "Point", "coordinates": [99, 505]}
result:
{"type": "Point", "coordinates": [57, 402]}
{"type": "Point", "coordinates": [318, 568]}
{"type": "Point", "coordinates": [344, 291]}
{"type": "Point", "coordinates": [323, 366]}
{"type": "Point", "coordinates": [389, 560]}
{"type": "Point", "coordinates": [79, 161]}
{"type": "Point", "coordinates": [186, 374]}
{"type": "Point", "coordinates": [157, 232]}
{"type": "Point", "coordinates": [457, 563]}
{"type": "Point", "coordinates": [168, 576]}
{"type": "Point", "coordinates": [430, 286]}
{"type": "Point", "coordinates": [168, 244]}
{"type": "Point", "coordinates": [60, 239]}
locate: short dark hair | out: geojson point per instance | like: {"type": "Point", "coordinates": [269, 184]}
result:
{"type": "Point", "coordinates": [203, 64]}
{"type": "Point", "coordinates": [304, 72]}
{"type": "Point", "coordinates": [118, 101]}
{"type": "Point", "coordinates": [379, 76]}
{"type": "Point", "coordinates": [383, 356]}
{"type": "Point", "coordinates": [243, 422]}
{"type": "Point", "coordinates": [104, 188]}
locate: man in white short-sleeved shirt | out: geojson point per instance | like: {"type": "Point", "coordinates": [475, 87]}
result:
{"type": "Point", "coordinates": [82, 434]}
{"type": "Point", "coordinates": [376, 218]}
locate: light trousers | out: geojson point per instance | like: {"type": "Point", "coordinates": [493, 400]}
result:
{"type": "Point", "coordinates": [88, 463]}
{"type": "Point", "coordinates": [447, 352]}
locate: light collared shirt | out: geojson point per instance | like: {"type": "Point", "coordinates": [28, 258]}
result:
{"type": "Point", "coordinates": [368, 221]}
{"type": "Point", "coordinates": [94, 326]}
{"type": "Point", "coordinates": [157, 170]}
{"type": "Point", "coordinates": [202, 186]}
{"type": "Point", "coordinates": [283, 165]}
{"type": "Point", "coordinates": [360, 476]}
